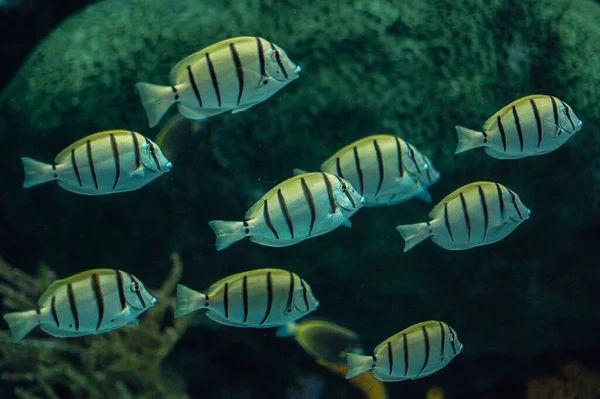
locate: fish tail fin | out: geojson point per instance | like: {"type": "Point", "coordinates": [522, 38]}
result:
{"type": "Point", "coordinates": [227, 233]}
{"type": "Point", "coordinates": [358, 364]}
{"type": "Point", "coordinates": [298, 171]}
{"type": "Point", "coordinates": [156, 100]}
{"type": "Point", "coordinates": [188, 301]}
{"type": "Point", "coordinates": [468, 139]}
{"type": "Point", "coordinates": [413, 234]}
{"type": "Point", "coordinates": [36, 172]}
{"type": "Point", "coordinates": [21, 323]}
{"type": "Point", "coordinates": [287, 330]}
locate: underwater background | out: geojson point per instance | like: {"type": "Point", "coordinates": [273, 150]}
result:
{"type": "Point", "coordinates": [525, 308]}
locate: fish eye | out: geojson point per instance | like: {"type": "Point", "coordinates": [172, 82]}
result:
{"type": "Point", "coordinates": [151, 148]}
{"type": "Point", "coordinates": [344, 187]}
{"type": "Point", "coordinates": [275, 56]}
{"type": "Point", "coordinates": [135, 287]}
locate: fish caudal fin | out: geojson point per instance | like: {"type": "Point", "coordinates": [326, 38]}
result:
{"type": "Point", "coordinates": [287, 330]}
{"type": "Point", "coordinates": [468, 139]}
{"type": "Point", "coordinates": [21, 323]}
{"type": "Point", "coordinates": [36, 172]}
{"type": "Point", "coordinates": [413, 234]}
{"type": "Point", "coordinates": [188, 301]}
{"type": "Point", "coordinates": [227, 232]}
{"type": "Point", "coordinates": [156, 100]}
{"type": "Point", "coordinates": [358, 364]}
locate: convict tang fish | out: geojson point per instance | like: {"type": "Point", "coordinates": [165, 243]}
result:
{"type": "Point", "coordinates": [231, 75]}
{"type": "Point", "coordinates": [108, 162]}
{"type": "Point", "coordinates": [259, 298]}
{"type": "Point", "coordinates": [477, 214]}
{"type": "Point", "coordinates": [302, 207]}
{"type": "Point", "coordinates": [532, 125]}
{"type": "Point", "coordinates": [415, 352]}
{"type": "Point", "coordinates": [385, 169]}
{"type": "Point", "coordinates": [92, 302]}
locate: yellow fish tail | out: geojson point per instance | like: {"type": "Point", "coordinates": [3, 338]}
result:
{"type": "Point", "coordinates": [156, 100]}
{"type": "Point", "coordinates": [227, 233]}
{"type": "Point", "coordinates": [188, 301]}
{"type": "Point", "coordinates": [21, 323]}
{"type": "Point", "coordinates": [468, 139]}
{"type": "Point", "coordinates": [358, 364]}
{"type": "Point", "coordinates": [36, 172]}
{"type": "Point", "coordinates": [413, 234]}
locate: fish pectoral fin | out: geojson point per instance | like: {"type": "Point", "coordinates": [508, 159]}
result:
{"type": "Point", "coordinates": [423, 195]}
{"type": "Point", "coordinates": [347, 223]}
{"type": "Point", "coordinates": [137, 174]}
{"type": "Point", "coordinates": [242, 108]}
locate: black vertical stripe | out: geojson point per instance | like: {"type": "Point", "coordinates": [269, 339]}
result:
{"type": "Point", "coordinates": [453, 340]}
{"type": "Point", "coordinates": [153, 153]}
{"type": "Point", "coordinates": [518, 125]}
{"type": "Point", "coordinates": [380, 167]}
{"type": "Point", "coordinates": [267, 216]}
{"type": "Point", "coordinates": [75, 168]}
{"type": "Point", "coordinates": [311, 204]}
{"type": "Point", "coordinates": [486, 216]}
{"type": "Point", "coordinates": [53, 311]}
{"type": "Point", "coordinates": [555, 112]}
{"type": "Point", "coordinates": [399, 153]}
{"type": "Point", "coordinates": [278, 59]}
{"type": "Point", "coordinates": [347, 192]}
{"type": "Point", "coordinates": [305, 294]}
{"type": "Point", "coordinates": [443, 349]}
{"type": "Point", "coordinates": [338, 167]}
{"type": "Point", "coordinates": [99, 298]}
{"type": "Point", "coordinates": [330, 193]}
{"type": "Point", "coordinates": [502, 133]}
{"type": "Point", "coordinates": [239, 70]}
{"type": "Point", "coordinates": [359, 171]}
{"type": "Point", "coordinates": [513, 198]}
{"type": "Point", "coordinates": [73, 305]}
{"type": "Point", "coordinates": [213, 78]}
{"type": "Point", "coordinates": [269, 298]}
{"type": "Point", "coordinates": [568, 114]}
{"type": "Point", "coordinates": [290, 298]}
{"type": "Point", "coordinates": [116, 156]}
{"type": "Point", "coordinates": [226, 300]}
{"type": "Point", "coordinates": [261, 58]}
{"type": "Point", "coordinates": [194, 86]}
{"type": "Point", "coordinates": [245, 297]}
{"type": "Point", "coordinates": [447, 220]}
{"type": "Point", "coordinates": [412, 157]}
{"type": "Point", "coordinates": [121, 288]}
{"type": "Point", "coordinates": [390, 356]}
{"type": "Point", "coordinates": [466, 214]}
{"type": "Point", "coordinates": [500, 199]}
{"type": "Point", "coordinates": [285, 211]}
{"type": "Point", "coordinates": [405, 341]}
{"type": "Point", "coordinates": [427, 349]}
{"type": "Point", "coordinates": [138, 291]}
{"type": "Point", "coordinates": [136, 150]}
{"type": "Point", "coordinates": [538, 121]}
{"type": "Point", "coordinates": [88, 145]}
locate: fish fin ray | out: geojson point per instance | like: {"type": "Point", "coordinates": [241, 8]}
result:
{"type": "Point", "coordinates": [188, 301]}
{"type": "Point", "coordinates": [21, 324]}
{"type": "Point", "coordinates": [36, 172]}
{"type": "Point", "coordinates": [227, 233]}
{"type": "Point", "coordinates": [156, 100]}
{"type": "Point", "coordinates": [468, 139]}
{"type": "Point", "coordinates": [414, 234]}
{"type": "Point", "coordinates": [358, 364]}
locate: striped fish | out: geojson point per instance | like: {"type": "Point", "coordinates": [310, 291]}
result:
{"type": "Point", "coordinates": [108, 162]}
{"type": "Point", "coordinates": [92, 302]}
{"type": "Point", "coordinates": [302, 207]}
{"type": "Point", "coordinates": [477, 214]}
{"type": "Point", "coordinates": [259, 298]}
{"type": "Point", "coordinates": [415, 352]}
{"type": "Point", "coordinates": [231, 75]}
{"type": "Point", "coordinates": [532, 125]}
{"type": "Point", "coordinates": [385, 169]}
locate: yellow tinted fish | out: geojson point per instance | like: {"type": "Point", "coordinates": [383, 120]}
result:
{"type": "Point", "coordinates": [231, 75]}
{"type": "Point", "coordinates": [259, 298]}
{"type": "Point", "coordinates": [385, 169]}
{"type": "Point", "coordinates": [477, 214]}
{"type": "Point", "coordinates": [532, 125]}
{"type": "Point", "coordinates": [92, 302]}
{"type": "Point", "coordinates": [299, 208]}
{"type": "Point", "coordinates": [103, 163]}
{"type": "Point", "coordinates": [415, 352]}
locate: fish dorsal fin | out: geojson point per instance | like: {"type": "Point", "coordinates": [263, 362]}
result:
{"type": "Point", "coordinates": [179, 71]}
{"type": "Point", "coordinates": [488, 124]}
{"type": "Point", "coordinates": [240, 276]}
{"type": "Point", "coordinates": [273, 191]}
{"type": "Point", "coordinates": [64, 154]}
{"type": "Point", "coordinates": [440, 205]}
{"type": "Point", "coordinates": [407, 331]}
{"type": "Point", "coordinates": [52, 288]}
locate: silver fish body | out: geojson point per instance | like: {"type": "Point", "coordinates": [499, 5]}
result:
{"type": "Point", "coordinates": [103, 163]}
{"type": "Point", "coordinates": [532, 125]}
{"type": "Point", "coordinates": [231, 75]}
{"type": "Point", "coordinates": [260, 298]}
{"type": "Point", "coordinates": [91, 302]}
{"type": "Point", "coordinates": [385, 169]}
{"type": "Point", "coordinates": [302, 207]}
{"type": "Point", "coordinates": [413, 353]}
{"type": "Point", "coordinates": [477, 214]}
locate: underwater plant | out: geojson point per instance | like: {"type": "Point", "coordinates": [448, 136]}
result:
{"type": "Point", "coordinates": [126, 363]}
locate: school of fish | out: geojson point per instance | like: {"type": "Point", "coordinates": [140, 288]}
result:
{"type": "Point", "coordinates": [378, 170]}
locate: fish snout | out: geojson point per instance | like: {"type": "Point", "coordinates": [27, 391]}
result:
{"type": "Point", "coordinates": [169, 166]}
{"type": "Point", "coordinates": [298, 69]}
{"type": "Point", "coordinates": [580, 121]}
{"type": "Point", "coordinates": [363, 200]}
{"type": "Point", "coordinates": [154, 300]}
